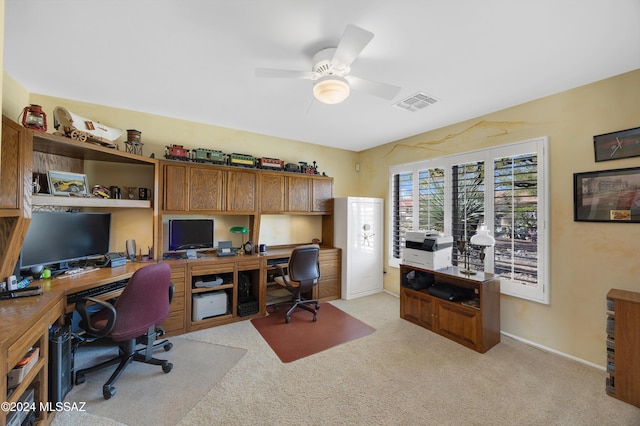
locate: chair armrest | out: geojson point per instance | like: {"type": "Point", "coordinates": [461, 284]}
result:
{"type": "Point", "coordinates": [81, 307]}
{"type": "Point", "coordinates": [280, 269]}
{"type": "Point", "coordinates": [281, 273]}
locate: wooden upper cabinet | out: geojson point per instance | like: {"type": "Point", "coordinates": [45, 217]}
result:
{"type": "Point", "coordinates": [206, 189]}
{"type": "Point", "coordinates": [175, 187]}
{"type": "Point", "coordinates": [273, 193]}
{"type": "Point", "coordinates": [298, 196]}
{"type": "Point", "coordinates": [321, 195]}
{"type": "Point", "coordinates": [242, 191]}
{"type": "Point", "coordinates": [15, 169]}
{"type": "Point", "coordinates": [193, 188]}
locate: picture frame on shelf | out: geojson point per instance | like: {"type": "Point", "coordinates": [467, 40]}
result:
{"type": "Point", "coordinates": [617, 145]}
{"type": "Point", "coordinates": [67, 183]}
{"type": "Point", "coordinates": [607, 196]}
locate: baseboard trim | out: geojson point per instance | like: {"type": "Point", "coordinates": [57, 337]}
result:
{"type": "Point", "coordinates": [392, 294]}
{"type": "Point", "coordinates": [547, 349]}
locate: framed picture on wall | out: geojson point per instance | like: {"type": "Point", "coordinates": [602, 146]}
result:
{"type": "Point", "coordinates": [66, 183]}
{"type": "Point", "coordinates": [616, 145]}
{"type": "Point", "coordinates": [607, 196]}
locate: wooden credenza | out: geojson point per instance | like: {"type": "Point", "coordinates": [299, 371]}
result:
{"type": "Point", "coordinates": [477, 328]}
{"type": "Point", "coordinates": [623, 346]}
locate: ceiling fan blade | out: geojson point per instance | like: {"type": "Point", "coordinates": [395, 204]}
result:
{"type": "Point", "coordinates": [383, 90]}
{"type": "Point", "coordinates": [278, 73]}
{"type": "Point", "coordinates": [353, 40]}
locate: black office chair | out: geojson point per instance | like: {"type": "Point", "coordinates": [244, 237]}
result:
{"type": "Point", "coordinates": [133, 319]}
{"type": "Point", "coordinates": [303, 273]}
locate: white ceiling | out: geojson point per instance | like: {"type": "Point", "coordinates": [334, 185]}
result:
{"type": "Point", "coordinates": [195, 59]}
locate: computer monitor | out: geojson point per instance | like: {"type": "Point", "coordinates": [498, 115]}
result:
{"type": "Point", "coordinates": [56, 238]}
{"type": "Point", "coordinates": [190, 234]}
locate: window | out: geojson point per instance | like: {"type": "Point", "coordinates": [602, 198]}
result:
{"type": "Point", "coordinates": [402, 202]}
{"type": "Point", "coordinates": [503, 188]}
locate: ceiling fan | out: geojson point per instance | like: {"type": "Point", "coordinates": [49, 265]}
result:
{"type": "Point", "coordinates": [331, 68]}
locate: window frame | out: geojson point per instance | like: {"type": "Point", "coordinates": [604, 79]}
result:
{"type": "Point", "coordinates": [539, 293]}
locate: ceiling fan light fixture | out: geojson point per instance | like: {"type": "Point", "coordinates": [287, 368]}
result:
{"type": "Point", "coordinates": [331, 89]}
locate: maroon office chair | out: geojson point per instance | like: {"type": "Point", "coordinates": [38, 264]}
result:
{"type": "Point", "coordinates": [303, 272]}
{"type": "Point", "coordinates": [133, 319]}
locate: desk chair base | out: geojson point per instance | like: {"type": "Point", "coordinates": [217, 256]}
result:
{"type": "Point", "coordinates": [299, 302]}
{"type": "Point", "coordinates": [128, 354]}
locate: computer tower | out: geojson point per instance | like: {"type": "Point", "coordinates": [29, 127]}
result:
{"type": "Point", "coordinates": [60, 363]}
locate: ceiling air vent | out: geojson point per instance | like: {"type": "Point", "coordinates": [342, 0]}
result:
{"type": "Point", "coordinates": [416, 102]}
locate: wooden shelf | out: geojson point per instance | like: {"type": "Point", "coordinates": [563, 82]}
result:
{"type": "Point", "coordinates": [52, 200]}
{"type": "Point", "coordinates": [60, 145]}
{"type": "Point", "coordinates": [211, 289]}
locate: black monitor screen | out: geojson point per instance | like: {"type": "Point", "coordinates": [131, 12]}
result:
{"type": "Point", "coordinates": [57, 238]}
{"type": "Point", "coordinates": [189, 234]}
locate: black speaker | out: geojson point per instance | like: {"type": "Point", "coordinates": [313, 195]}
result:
{"type": "Point", "coordinates": [131, 250]}
{"type": "Point", "coordinates": [60, 363]}
{"type": "Point", "coordinates": [244, 287]}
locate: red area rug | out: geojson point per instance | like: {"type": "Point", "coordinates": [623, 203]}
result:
{"type": "Point", "coordinates": [303, 337]}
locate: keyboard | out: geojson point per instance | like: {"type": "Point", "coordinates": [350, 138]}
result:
{"type": "Point", "coordinates": [96, 291]}
{"type": "Point", "coordinates": [277, 261]}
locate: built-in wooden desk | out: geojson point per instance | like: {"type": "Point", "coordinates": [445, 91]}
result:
{"type": "Point", "coordinates": [70, 284]}
{"type": "Point", "coordinates": [238, 272]}
{"type": "Point", "coordinates": [25, 324]}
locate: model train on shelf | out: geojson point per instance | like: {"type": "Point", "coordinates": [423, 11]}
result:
{"type": "Point", "coordinates": [212, 156]}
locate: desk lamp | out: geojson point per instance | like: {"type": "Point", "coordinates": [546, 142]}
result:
{"type": "Point", "coordinates": [483, 240]}
{"type": "Point", "coordinates": [240, 230]}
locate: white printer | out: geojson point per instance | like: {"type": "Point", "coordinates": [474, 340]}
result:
{"type": "Point", "coordinates": [208, 305]}
{"type": "Point", "coordinates": [427, 250]}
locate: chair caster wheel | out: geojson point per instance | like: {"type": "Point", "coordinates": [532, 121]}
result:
{"type": "Point", "coordinates": [315, 318]}
{"type": "Point", "coordinates": [108, 391]}
{"type": "Point", "coordinates": [167, 347]}
{"type": "Point", "coordinates": [166, 367]}
{"type": "Point", "coordinates": [317, 306]}
{"type": "Point", "coordinates": [287, 319]}
{"type": "Point", "coordinates": [80, 379]}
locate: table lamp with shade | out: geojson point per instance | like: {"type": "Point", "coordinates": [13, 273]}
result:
{"type": "Point", "coordinates": [483, 240]}
{"type": "Point", "coordinates": [245, 247]}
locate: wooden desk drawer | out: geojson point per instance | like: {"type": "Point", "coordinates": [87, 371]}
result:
{"type": "Point", "coordinates": [329, 269]}
{"type": "Point", "coordinates": [174, 323]}
{"type": "Point", "coordinates": [248, 264]}
{"type": "Point", "coordinates": [177, 304]}
{"type": "Point", "coordinates": [178, 286]}
{"type": "Point", "coordinates": [197, 270]}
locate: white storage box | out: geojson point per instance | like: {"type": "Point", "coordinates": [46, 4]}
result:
{"type": "Point", "coordinates": [208, 305]}
{"type": "Point", "coordinates": [17, 375]}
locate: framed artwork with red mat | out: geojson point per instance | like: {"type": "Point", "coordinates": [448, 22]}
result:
{"type": "Point", "coordinates": [303, 337]}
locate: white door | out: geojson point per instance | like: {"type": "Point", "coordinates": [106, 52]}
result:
{"type": "Point", "coordinates": [365, 241]}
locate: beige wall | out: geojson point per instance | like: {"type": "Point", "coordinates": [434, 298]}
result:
{"type": "Point", "coordinates": [587, 259]}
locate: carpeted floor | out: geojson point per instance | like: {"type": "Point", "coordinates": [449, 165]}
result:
{"type": "Point", "coordinates": [400, 375]}
{"type": "Point", "coordinates": [303, 337]}
{"type": "Point", "coordinates": [144, 388]}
